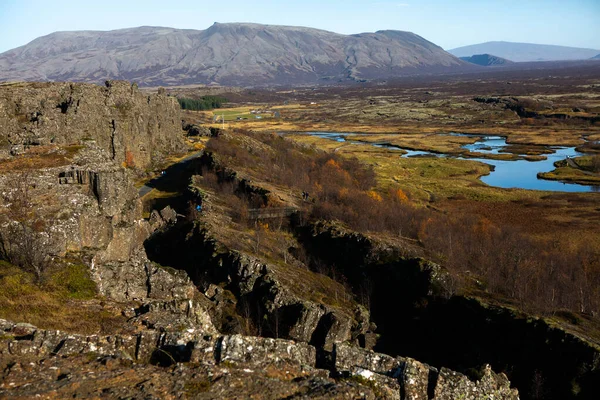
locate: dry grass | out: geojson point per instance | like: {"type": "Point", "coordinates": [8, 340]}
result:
{"type": "Point", "coordinates": [40, 157]}
{"type": "Point", "coordinates": [453, 186]}
{"type": "Point", "coordinates": [583, 174]}
{"type": "Point", "coordinates": [67, 301]}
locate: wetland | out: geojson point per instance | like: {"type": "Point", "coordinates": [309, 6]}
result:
{"type": "Point", "coordinates": [519, 172]}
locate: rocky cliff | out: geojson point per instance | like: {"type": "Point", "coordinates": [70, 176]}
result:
{"type": "Point", "coordinates": [232, 54]}
{"type": "Point", "coordinates": [135, 129]}
{"type": "Point", "coordinates": [431, 322]}
{"type": "Point", "coordinates": [69, 156]}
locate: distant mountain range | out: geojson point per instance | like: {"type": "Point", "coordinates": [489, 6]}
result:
{"type": "Point", "coordinates": [596, 57]}
{"type": "Point", "coordinates": [526, 52]}
{"type": "Point", "coordinates": [486, 60]}
{"type": "Point", "coordinates": [231, 54]}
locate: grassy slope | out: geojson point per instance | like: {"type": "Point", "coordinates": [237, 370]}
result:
{"type": "Point", "coordinates": [66, 300]}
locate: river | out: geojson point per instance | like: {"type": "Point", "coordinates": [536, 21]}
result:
{"type": "Point", "coordinates": [506, 174]}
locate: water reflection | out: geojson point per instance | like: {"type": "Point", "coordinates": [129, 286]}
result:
{"type": "Point", "coordinates": [506, 174]}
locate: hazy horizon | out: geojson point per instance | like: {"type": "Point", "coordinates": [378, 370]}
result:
{"type": "Point", "coordinates": [463, 23]}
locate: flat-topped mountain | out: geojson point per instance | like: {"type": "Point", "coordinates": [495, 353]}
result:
{"type": "Point", "coordinates": [525, 52]}
{"type": "Point", "coordinates": [236, 53]}
{"type": "Point", "coordinates": [486, 60]}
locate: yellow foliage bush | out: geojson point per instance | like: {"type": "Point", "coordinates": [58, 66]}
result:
{"type": "Point", "coordinates": [374, 195]}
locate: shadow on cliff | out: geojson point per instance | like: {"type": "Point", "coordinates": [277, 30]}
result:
{"type": "Point", "coordinates": [174, 179]}
{"type": "Point", "coordinates": [417, 317]}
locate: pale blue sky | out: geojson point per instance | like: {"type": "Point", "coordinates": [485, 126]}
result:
{"type": "Point", "coordinates": [448, 23]}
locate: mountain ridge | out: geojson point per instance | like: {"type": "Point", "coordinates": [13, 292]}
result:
{"type": "Point", "coordinates": [486, 60]}
{"type": "Point", "coordinates": [525, 52]}
{"type": "Point", "coordinates": [229, 53]}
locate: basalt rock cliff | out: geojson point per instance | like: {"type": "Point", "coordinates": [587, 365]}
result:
{"type": "Point", "coordinates": [133, 128]}
{"type": "Point", "coordinates": [69, 156]}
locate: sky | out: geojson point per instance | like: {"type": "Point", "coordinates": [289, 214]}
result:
{"type": "Point", "coordinates": [447, 23]}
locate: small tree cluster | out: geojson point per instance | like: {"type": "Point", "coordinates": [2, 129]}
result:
{"type": "Point", "coordinates": [204, 103]}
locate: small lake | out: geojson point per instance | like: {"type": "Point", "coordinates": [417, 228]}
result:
{"type": "Point", "coordinates": [520, 174]}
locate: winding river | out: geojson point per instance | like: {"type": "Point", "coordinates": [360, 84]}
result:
{"type": "Point", "coordinates": [520, 173]}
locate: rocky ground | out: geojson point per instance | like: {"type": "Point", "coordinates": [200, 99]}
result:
{"type": "Point", "coordinates": [225, 315]}
{"type": "Point", "coordinates": [200, 363]}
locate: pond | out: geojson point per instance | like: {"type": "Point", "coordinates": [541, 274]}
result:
{"type": "Point", "coordinates": [507, 174]}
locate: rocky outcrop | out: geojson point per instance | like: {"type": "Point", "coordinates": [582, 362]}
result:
{"type": "Point", "coordinates": [475, 332]}
{"type": "Point", "coordinates": [138, 278]}
{"type": "Point", "coordinates": [135, 129]}
{"type": "Point", "coordinates": [382, 376]}
{"type": "Point", "coordinates": [70, 154]}
{"type": "Point", "coordinates": [420, 381]}
{"type": "Point", "coordinates": [288, 314]}
{"type": "Point", "coordinates": [264, 351]}
{"type": "Point", "coordinates": [277, 308]}
{"type": "Point", "coordinates": [88, 209]}
{"type": "Point", "coordinates": [195, 130]}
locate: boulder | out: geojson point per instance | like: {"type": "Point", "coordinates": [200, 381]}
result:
{"type": "Point", "coordinates": [139, 279]}
{"type": "Point", "coordinates": [301, 320]}
{"type": "Point", "coordinates": [452, 385]}
{"type": "Point", "coordinates": [195, 130]}
{"type": "Point", "coordinates": [176, 315]}
{"type": "Point", "coordinates": [263, 351]}
{"type": "Point", "coordinates": [346, 357]}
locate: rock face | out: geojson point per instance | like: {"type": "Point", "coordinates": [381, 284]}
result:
{"type": "Point", "coordinates": [377, 375]}
{"type": "Point", "coordinates": [91, 209]}
{"type": "Point", "coordinates": [424, 305]}
{"type": "Point", "coordinates": [226, 53]}
{"type": "Point", "coordinates": [421, 381]}
{"type": "Point", "coordinates": [274, 303]}
{"type": "Point", "coordinates": [69, 153]}
{"type": "Point", "coordinates": [134, 129]}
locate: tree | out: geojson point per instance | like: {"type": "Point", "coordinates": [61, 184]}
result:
{"type": "Point", "coordinates": [205, 103]}
{"type": "Point", "coordinates": [21, 236]}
